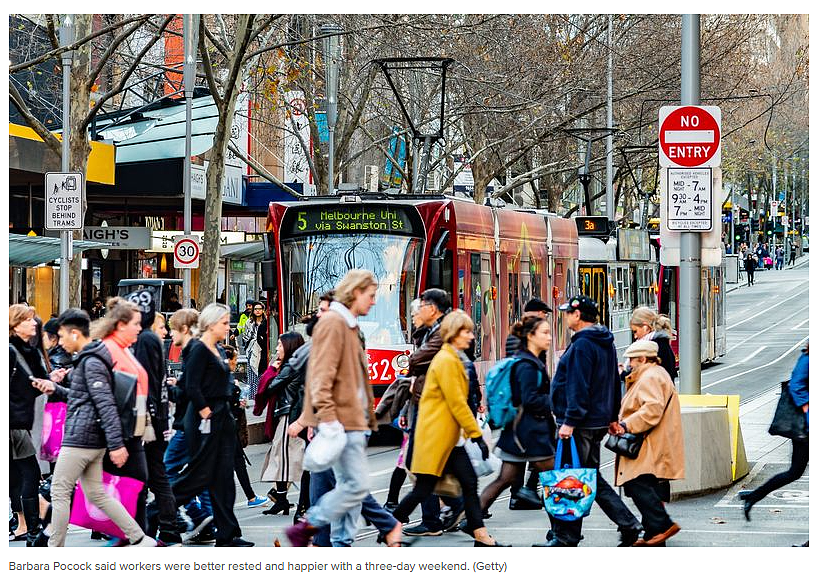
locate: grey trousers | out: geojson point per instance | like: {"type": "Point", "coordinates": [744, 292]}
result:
{"type": "Point", "coordinates": [85, 465]}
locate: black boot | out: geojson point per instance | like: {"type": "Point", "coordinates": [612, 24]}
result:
{"type": "Point", "coordinates": [31, 512]}
{"type": "Point", "coordinates": [280, 505]}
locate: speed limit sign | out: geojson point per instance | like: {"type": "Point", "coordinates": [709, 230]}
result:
{"type": "Point", "coordinates": [185, 251]}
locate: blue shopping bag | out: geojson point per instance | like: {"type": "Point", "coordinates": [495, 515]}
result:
{"type": "Point", "coordinates": [568, 492]}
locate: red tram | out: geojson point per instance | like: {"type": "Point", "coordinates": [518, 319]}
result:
{"type": "Point", "coordinates": [491, 260]}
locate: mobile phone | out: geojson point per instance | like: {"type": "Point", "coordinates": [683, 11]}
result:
{"type": "Point", "coordinates": [32, 378]}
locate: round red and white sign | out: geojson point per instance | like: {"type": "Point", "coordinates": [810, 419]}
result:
{"type": "Point", "coordinates": [690, 136]}
{"type": "Point", "coordinates": [186, 252]}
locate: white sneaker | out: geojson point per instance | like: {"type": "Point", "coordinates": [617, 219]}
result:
{"type": "Point", "coordinates": [145, 541]}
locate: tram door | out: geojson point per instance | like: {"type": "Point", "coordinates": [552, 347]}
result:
{"type": "Point", "coordinates": [593, 284]}
{"type": "Point", "coordinates": [620, 305]}
{"type": "Point", "coordinates": [707, 320]}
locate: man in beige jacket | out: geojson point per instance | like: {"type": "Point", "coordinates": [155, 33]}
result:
{"type": "Point", "coordinates": [338, 401]}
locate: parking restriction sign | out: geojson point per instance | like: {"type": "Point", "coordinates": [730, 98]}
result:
{"type": "Point", "coordinates": [185, 252]}
{"type": "Point", "coordinates": [690, 198]}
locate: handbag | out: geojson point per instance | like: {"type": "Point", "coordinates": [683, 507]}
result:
{"type": "Point", "coordinates": [53, 430]}
{"type": "Point", "coordinates": [788, 420]}
{"type": "Point", "coordinates": [629, 444]}
{"type": "Point", "coordinates": [124, 387]}
{"type": "Point", "coordinates": [86, 514]}
{"type": "Point", "coordinates": [568, 492]}
{"type": "Point", "coordinates": [446, 486]}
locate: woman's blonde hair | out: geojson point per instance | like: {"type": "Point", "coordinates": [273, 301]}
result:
{"type": "Point", "coordinates": [159, 321]}
{"type": "Point", "coordinates": [643, 316]}
{"type": "Point", "coordinates": [453, 323]}
{"type": "Point", "coordinates": [211, 315]}
{"type": "Point", "coordinates": [356, 279]}
{"type": "Point", "coordinates": [185, 318]}
{"type": "Point", "coordinates": [116, 310]}
{"type": "Point", "coordinates": [18, 313]}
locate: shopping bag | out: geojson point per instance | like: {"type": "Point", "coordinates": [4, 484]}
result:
{"type": "Point", "coordinates": [53, 429]}
{"type": "Point", "coordinates": [789, 420]}
{"type": "Point", "coordinates": [85, 514]}
{"type": "Point", "coordinates": [482, 467]}
{"type": "Point", "coordinates": [568, 492]}
{"type": "Point", "coordinates": [325, 448]}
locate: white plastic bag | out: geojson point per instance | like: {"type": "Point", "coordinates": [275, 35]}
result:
{"type": "Point", "coordinates": [326, 446]}
{"type": "Point", "coordinates": [482, 467]}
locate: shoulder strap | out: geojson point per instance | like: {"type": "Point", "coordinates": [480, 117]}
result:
{"type": "Point", "coordinates": [19, 359]}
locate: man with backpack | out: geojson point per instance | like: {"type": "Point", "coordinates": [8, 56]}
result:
{"type": "Point", "coordinates": [586, 402]}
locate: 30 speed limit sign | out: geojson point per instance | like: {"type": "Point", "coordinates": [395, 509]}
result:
{"type": "Point", "coordinates": [185, 251]}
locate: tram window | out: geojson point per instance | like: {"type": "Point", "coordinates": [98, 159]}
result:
{"type": "Point", "coordinates": [514, 299]}
{"type": "Point", "coordinates": [476, 296]}
{"type": "Point", "coordinates": [446, 270]}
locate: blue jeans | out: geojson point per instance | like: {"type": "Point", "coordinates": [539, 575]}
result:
{"type": "Point", "coordinates": [176, 457]}
{"type": "Point", "coordinates": [342, 504]}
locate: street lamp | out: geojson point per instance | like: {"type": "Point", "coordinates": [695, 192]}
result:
{"type": "Point", "coordinates": [332, 58]}
{"type": "Point", "coordinates": [67, 36]}
{"type": "Point", "coordinates": [190, 31]}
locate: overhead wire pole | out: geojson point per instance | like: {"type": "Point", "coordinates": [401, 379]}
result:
{"type": "Point", "coordinates": [66, 39]}
{"type": "Point", "coordinates": [609, 139]}
{"type": "Point", "coordinates": [190, 30]}
{"type": "Point", "coordinates": [331, 60]}
{"type": "Point", "coordinates": [690, 242]}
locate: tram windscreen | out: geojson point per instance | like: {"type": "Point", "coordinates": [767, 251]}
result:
{"type": "Point", "coordinates": [314, 264]}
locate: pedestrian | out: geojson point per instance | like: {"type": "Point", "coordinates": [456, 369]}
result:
{"type": "Point", "coordinates": [798, 388]}
{"type": "Point", "coordinates": [792, 260]}
{"type": "Point", "coordinates": [585, 401]}
{"type": "Point", "coordinates": [26, 370]}
{"type": "Point", "coordinates": [93, 427]}
{"type": "Point", "coordinates": [55, 352]}
{"type": "Point", "coordinates": [525, 497]}
{"type": "Point", "coordinates": [238, 403]}
{"type": "Point", "coordinates": [210, 430]}
{"type": "Point", "coordinates": [750, 266]}
{"type": "Point", "coordinates": [760, 255]}
{"type": "Point", "coordinates": [528, 437]}
{"type": "Point", "coordinates": [149, 351]}
{"type": "Point", "coordinates": [98, 309]}
{"type": "Point", "coordinates": [246, 315]}
{"type": "Point", "coordinates": [651, 408]}
{"type": "Point", "coordinates": [339, 401]}
{"type": "Point", "coordinates": [283, 460]}
{"type": "Point", "coordinates": [443, 415]}
{"type": "Point", "coordinates": [780, 257]}
{"type": "Point", "coordinates": [646, 324]}
{"type": "Point", "coordinates": [184, 328]}
{"type": "Point", "coordinates": [254, 341]}
{"type": "Point", "coordinates": [435, 303]}
{"type": "Point", "coordinates": [173, 304]}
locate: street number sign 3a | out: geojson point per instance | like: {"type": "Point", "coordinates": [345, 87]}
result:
{"type": "Point", "coordinates": [690, 199]}
{"type": "Point", "coordinates": [690, 136]}
{"type": "Point", "coordinates": [185, 252]}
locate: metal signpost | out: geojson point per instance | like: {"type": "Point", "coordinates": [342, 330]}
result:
{"type": "Point", "coordinates": [190, 23]}
{"type": "Point", "coordinates": [66, 39]}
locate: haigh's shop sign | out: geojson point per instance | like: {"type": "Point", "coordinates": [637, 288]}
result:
{"type": "Point", "coordinates": [119, 237]}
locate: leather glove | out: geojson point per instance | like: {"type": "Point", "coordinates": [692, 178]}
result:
{"type": "Point", "coordinates": [482, 445]}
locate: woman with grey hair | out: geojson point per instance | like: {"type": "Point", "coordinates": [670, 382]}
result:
{"type": "Point", "coordinates": [209, 426]}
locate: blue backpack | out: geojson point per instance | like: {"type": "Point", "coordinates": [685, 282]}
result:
{"type": "Point", "coordinates": [499, 393]}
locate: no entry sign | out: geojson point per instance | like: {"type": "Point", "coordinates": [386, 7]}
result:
{"type": "Point", "coordinates": [185, 252]}
{"type": "Point", "coordinates": [690, 136]}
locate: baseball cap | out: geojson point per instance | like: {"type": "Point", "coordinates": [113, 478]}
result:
{"type": "Point", "coordinates": [585, 304]}
{"type": "Point", "coordinates": [536, 305]}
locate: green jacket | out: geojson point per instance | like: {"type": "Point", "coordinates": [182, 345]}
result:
{"type": "Point", "coordinates": [242, 321]}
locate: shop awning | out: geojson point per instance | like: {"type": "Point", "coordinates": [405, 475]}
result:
{"type": "Point", "coordinates": [247, 251]}
{"type": "Point", "coordinates": [25, 251]}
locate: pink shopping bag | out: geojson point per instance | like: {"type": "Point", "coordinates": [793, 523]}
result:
{"type": "Point", "coordinates": [53, 428]}
{"type": "Point", "coordinates": [87, 515]}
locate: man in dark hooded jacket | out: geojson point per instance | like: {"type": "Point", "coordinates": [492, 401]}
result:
{"type": "Point", "coordinates": [585, 402]}
{"type": "Point", "coordinates": [149, 351]}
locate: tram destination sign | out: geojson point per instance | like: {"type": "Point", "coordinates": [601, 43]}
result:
{"type": "Point", "coordinates": [690, 199]}
{"type": "Point", "coordinates": [335, 219]}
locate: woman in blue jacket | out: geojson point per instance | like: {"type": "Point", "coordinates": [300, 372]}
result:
{"type": "Point", "coordinates": [798, 388]}
{"type": "Point", "coordinates": [528, 438]}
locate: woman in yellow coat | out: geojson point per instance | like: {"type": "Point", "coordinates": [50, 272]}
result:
{"type": "Point", "coordinates": [651, 407]}
{"type": "Point", "coordinates": [444, 422]}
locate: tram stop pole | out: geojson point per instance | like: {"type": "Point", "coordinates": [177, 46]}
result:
{"type": "Point", "coordinates": [690, 331]}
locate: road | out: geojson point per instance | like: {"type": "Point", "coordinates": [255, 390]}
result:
{"type": "Point", "coordinates": [767, 326]}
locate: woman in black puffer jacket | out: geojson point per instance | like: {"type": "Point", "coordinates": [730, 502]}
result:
{"type": "Point", "coordinates": [24, 471]}
{"type": "Point", "coordinates": [528, 438]}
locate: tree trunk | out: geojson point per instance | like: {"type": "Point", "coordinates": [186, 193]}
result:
{"type": "Point", "coordinates": [79, 147]}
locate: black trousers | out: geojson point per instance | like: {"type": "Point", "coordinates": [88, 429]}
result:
{"type": "Point", "coordinates": [799, 462]}
{"type": "Point", "coordinates": [648, 494]}
{"type": "Point", "coordinates": [211, 467]}
{"type": "Point", "coordinates": [588, 448]}
{"type": "Point", "coordinates": [159, 484]}
{"type": "Point", "coordinates": [24, 485]}
{"type": "Point", "coordinates": [750, 273]}
{"type": "Point", "coordinates": [240, 468]}
{"type": "Point", "coordinates": [460, 466]}
{"type": "Point", "coordinates": [135, 467]}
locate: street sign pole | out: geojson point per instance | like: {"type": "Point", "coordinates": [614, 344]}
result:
{"type": "Point", "coordinates": [690, 281]}
{"type": "Point", "coordinates": [190, 25]}
{"type": "Point", "coordinates": [66, 39]}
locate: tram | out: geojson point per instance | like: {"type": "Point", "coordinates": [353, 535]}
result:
{"type": "Point", "coordinates": [619, 272]}
{"type": "Point", "coordinates": [491, 260]}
